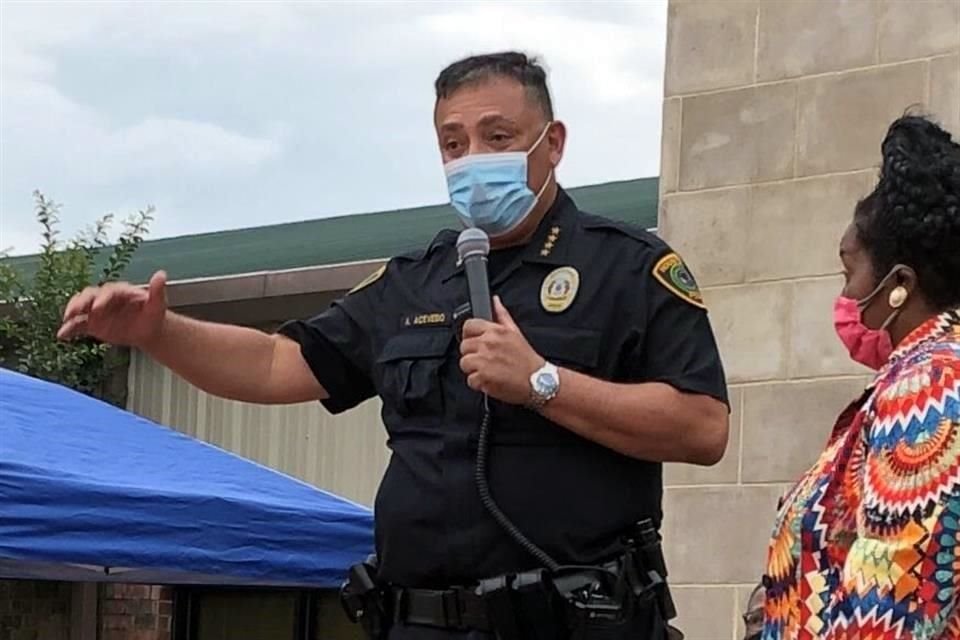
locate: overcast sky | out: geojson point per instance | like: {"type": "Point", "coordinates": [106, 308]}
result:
{"type": "Point", "coordinates": [237, 114]}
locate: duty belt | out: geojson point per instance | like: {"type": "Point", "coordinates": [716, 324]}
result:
{"type": "Point", "coordinates": [624, 598]}
{"type": "Point", "coordinates": [455, 608]}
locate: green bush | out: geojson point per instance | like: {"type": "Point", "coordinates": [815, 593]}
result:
{"type": "Point", "coordinates": [32, 308]}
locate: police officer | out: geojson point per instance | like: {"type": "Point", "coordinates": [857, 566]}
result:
{"type": "Point", "coordinates": [600, 364]}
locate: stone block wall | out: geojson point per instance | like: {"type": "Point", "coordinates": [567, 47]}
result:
{"type": "Point", "coordinates": [772, 120]}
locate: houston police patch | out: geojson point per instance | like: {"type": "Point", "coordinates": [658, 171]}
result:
{"type": "Point", "coordinates": [672, 273]}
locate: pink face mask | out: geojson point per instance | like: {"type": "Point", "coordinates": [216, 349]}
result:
{"type": "Point", "coordinates": [870, 347]}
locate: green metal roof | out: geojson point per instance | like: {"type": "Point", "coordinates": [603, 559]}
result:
{"type": "Point", "coordinates": [365, 236]}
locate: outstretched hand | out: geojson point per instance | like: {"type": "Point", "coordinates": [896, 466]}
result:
{"type": "Point", "coordinates": [117, 313]}
{"type": "Point", "coordinates": [496, 357]}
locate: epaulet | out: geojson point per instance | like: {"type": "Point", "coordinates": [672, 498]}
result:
{"type": "Point", "coordinates": [446, 237]}
{"type": "Point", "coordinates": [370, 279]}
{"type": "Point", "coordinates": [668, 268]}
{"type": "Point", "coordinates": [590, 221]}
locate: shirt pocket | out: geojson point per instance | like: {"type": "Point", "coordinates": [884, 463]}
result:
{"type": "Point", "coordinates": [410, 371]}
{"type": "Point", "coordinates": [576, 349]}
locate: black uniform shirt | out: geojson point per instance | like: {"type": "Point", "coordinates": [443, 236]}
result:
{"type": "Point", "coordinates": [596, 296]}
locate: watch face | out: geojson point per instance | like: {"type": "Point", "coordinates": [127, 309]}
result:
{"type": "Point", "coordinates": [546, 383]}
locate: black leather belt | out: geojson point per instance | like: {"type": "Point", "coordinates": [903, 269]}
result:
{"type": "Point", "coordinates": [455, 608]}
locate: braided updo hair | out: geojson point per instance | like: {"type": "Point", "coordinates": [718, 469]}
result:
{"type": "Point", "coordinates": [912, 217]}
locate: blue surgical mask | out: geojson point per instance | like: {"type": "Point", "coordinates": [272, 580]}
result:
{"type": "Point", "coordinates": [489, 190]}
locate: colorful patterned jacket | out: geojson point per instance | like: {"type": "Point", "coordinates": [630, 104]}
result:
{"type": "Point", "coordinates": [865, 546]}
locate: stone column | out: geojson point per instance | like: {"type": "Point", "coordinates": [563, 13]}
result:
{"type": "Point", "coordinates": [773, 115]}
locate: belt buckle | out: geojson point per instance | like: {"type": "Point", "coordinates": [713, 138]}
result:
{"type": "Point", "coordinates": [452, 610]}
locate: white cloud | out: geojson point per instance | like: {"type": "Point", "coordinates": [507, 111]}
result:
{"type": "Point", "coordinates": [14, 240]}
{"type": "Point", "coordinates": [601, 56]}
{"type": "Point", "coordinates": [37, 114]}
{"type": "Point", "coordinates": [230, 114]}
{"type": "Point", "coordinates": [50, 139]}
{"type": "Point", "coordinates": [57, 134]}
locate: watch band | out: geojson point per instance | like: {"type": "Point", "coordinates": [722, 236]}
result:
{"type": "Point", "coordinates": [536, 400]}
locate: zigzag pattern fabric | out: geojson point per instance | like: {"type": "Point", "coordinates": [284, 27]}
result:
{"type": "Point", "coordinates": [865, 545]}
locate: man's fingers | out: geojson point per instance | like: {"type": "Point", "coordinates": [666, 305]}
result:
{"type": "Point", "coordinates": [470, 364]}
{"type": "Point", "coordinates": [476, 327]}
{"type": "Point", "coordinates": [115, 294]}
{"type": "Point", "coordinates": [470, 345]}
{"type": "Point", "coordinates": [107, 296]}
{"type": "Point", "coordinates": [157, 290]}
{"type": "Point", "coordinates": [73, 328]}
{"type": "Point", "coordinates": [503, 316]}
{"type": "Point", "coordinates": [474, 382]}
{"type": "Point", "coordinates": [80, 303]}
{"type": "Point", "coordinates": [112, 294]}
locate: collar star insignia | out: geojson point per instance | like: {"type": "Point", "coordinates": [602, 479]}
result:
{"type": "Point", "coordinates": [550, 242]}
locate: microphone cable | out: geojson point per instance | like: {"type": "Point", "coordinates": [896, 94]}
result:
{"type": "Point", "coordinates": [473, 246]}
{"type": "Point", "coordinates": [486, 498]}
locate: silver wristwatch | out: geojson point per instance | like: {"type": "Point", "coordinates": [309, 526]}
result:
{"type": "Point", "coordinates": [544, 385]}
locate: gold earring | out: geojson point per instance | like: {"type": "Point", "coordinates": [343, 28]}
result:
{"type": "Point", "coordinates": [897, 297]}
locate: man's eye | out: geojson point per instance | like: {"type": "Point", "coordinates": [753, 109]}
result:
{"type": "Point", "coordinates": [451, 145]}
{"type": "Point", "coordinates": [499, 137]}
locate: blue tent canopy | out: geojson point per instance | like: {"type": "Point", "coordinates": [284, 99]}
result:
{"type": "Point", "coordinates": [91, 492]}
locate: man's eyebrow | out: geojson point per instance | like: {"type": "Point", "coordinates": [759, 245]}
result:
{"type": "Point", "coordinates": [485, 121]}
{"type": "Point", "coordinates": [497, 119]}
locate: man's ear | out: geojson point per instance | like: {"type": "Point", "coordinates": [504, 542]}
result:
{"type": "Point", "coordinates": [556, 140]}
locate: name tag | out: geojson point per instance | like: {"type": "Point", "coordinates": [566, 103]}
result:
{"type": "Point", "coordinates": [426, 320]}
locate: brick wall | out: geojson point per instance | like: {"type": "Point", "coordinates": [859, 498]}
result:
{"type": "Point", "coordinates": [772, 121]}
{"type": "Point", "coordinates": [34, 610]}
{"type": "Point", "coordinates": [135, 612]}
{"type": "Point", "coordinates": [37, 610]}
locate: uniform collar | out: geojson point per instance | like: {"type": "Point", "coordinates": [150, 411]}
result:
{"type": "Point", "coordinates": [550, 242]}
{"type": "Point", "coordinates": [945, 326]}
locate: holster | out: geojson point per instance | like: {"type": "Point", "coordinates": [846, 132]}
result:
{"type": "Point", "coordinates": [365, 600]}
{"type": "Point", "coordinates": [524, 606]}
{"type": "Point", "coordinates": [612, 603]}
{"type": "Point", "coordinates": [625, 599]}
{"type": "Point", "coordinates": [650, 561]}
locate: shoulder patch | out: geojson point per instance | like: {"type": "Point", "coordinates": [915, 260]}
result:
{"type": "Point", "coordinates": [369, 280]}
{"type": "Point", "coordinates": [673, 274]}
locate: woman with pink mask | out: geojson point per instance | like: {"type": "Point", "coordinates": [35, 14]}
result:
{"type": "Point", "coordinates": [865, 545]}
